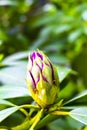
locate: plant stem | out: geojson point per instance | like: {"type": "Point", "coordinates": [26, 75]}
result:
{"type": "Point", "coordinates": [25, 125]}
{"type": "Point", "coordinates": [28, 122]}
{"type": "Point", "coordinates": [30, 106]}
{"type": "Point", "coordinates": [24, 111]}
{"type": "Point", "coordinates": [62, 113]}
{"type": "Point", "coordinates": [37, 119]}
{"type": "Point", "coordinates": [46, 120]}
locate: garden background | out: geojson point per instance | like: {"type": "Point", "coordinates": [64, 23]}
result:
{"type": "Point", "coordinates": [59, 29]}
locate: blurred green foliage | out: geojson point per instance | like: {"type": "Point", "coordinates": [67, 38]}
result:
{"type": "Point", "coordinates": [57, 27]}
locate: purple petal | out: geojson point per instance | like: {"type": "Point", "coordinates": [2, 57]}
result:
{"type": "Point", "coordinates": [39, 67]}
{"type": "Point", "coordinates": [32, 57]}
{"type": "Point", "coordinates": [44, 78]}
{"type": "Point", "coordinates": [53, 79]}
{"type": "Point", "coordinates": [31, 60]}
{"type": "Point", "coordinates": [42, 66]}
{"type": "Point", "coordinates": [38, 79]}
{"type": "Point", "coordinates": [47, 64]}
{"type": "Point", "coordinates": [34, 84]}
{"type": "Point", "coordinates": [39, 55]}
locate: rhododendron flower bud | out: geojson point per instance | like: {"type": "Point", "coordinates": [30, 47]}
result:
{"type": "Point", "coordinates": [42, 79]}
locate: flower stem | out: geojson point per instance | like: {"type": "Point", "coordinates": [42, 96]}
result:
{"type": "Point", "coordinates": [24, 126]}
{"type": "Point", "coordinates": [30, 106]}
{"type": "Point", "coordinates": [29, 122]}
{"type": "Point", "coordinates": [62, 113]}
{"type": "Point", "coordinates": [24, 111]}
{"type": "Point", "coordinates": [37, 119]}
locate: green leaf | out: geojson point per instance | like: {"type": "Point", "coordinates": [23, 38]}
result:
{"type": "Point", "coordinates": [16, 57]}
{"type": "Point", "coordinates": [62, 28]}
{"type": "Point", "coordinates": [51, 47]}
{"type": "Point", "coordinates": [59, 59]}
{"type": "Point", "coordinates": [79, 96]}
{"type": "Point", "coordinates": [80, 114]}
{"type": "Point", "coordinates": [73, 107]}
{"type": "Point", "coordinates": [64, 72]}
{"type": "Point", "coordinates": [59, 124]}
{"type": "Point", "coordinates": [14, 75]}
{"type": "Point", "coordinates": [74, 123]}
{"type": "Point", "coordinates": [12, 63]}
{"type": "Point", "coordinates": [47, 119]}
{"type": "Point", "coordinates": [7, 2]}
{"type": "Point", "coordinates": [74, 35]}
{"type": "Point", "coordinates": [4, 102]}
{"type": "Point", "coordinates": [7, 112]}
{"type": "Point", "coordinates": [67, 92]}
{"type": "Point", "coordinates": [38, 43]}
{"type": "Point", "coordinates": [13, 92]}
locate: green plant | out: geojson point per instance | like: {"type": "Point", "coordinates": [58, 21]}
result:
{"type": "Point", "coordinates": [59, 29]}
{"type": "Point", "coordinates": [38, 116]}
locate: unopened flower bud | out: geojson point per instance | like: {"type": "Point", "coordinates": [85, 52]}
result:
{"type": "Point", "coordinates": [42, 79]}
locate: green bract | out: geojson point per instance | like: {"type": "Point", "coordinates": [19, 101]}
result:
{"type": "Point", "coordinates": [42, 79]}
